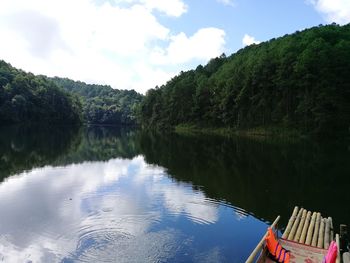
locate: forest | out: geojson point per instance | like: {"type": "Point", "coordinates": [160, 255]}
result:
{"type": "Point", "coordinates": [25, 97]}
{"type": "Point", "coordinates": [102, 104]}
{"type": "Point", "coordinates": [299, 82]}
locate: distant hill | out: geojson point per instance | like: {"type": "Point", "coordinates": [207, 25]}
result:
{"type": "Point", "coordinates": [299, 81]}
{"type": "Point", "coordinates": [102, 104]}
{"type": "Point", "coordinates": [25, 97]}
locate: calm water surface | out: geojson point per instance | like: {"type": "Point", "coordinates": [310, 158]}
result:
{"type": "Point", "coordinates": [101, 194]}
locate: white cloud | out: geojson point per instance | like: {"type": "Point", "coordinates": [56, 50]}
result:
{"type": "Point", "coordinates": [112, 43]}
{"type": "Point", "coordinates": [206, 43]}
{"type": "Point", "coordinates": [334, 10]}
{"type": "Point", "coordinates": [249, 40]}
{"type": "Point", "coordinates": [226, 2]}
{"type": "Point", "coordinates": [170, 7]}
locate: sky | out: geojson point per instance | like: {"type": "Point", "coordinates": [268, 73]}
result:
{"type": "Point", "coordinates": [139, 44]}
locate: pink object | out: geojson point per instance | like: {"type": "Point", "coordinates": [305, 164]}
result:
{"type": "Point", "coordinates": [331, 255]}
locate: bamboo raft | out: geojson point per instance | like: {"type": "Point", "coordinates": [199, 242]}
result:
{"type": "Point", "coordinates": [307, 237]}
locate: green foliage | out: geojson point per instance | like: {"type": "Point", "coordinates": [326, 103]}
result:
{"type": "Point", "coordinates": [300, 81]}
{"type": "Point", "coordinates": [102, 104]}
{"type": "Point", "coordinates": [26, 97]}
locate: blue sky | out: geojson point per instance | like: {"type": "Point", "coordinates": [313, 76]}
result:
{"type": "Point", "coordinates": [262, 19]}
{"type": "Point", "coordinates": [143, 43]}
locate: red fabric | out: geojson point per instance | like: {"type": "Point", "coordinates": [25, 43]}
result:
{"type": "Point", "coordinates": [332, 252]}
{"type": "Point", "coordinates": [275, 249]}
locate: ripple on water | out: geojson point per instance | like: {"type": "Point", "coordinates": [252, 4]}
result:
{"type": "Point", "coordinates": [106, 245]}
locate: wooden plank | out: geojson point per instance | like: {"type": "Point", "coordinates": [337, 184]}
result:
{"type": "Point", "coordinates": [295, 225]}
{"type": "Point", "coordinates": [343, 233]}
{"type": "Point", "coordinates": [260, 245]}
{"type": "Point", "coordinates": [332, 231]}
{"type": "Point", "coordinates": [290, 223]}
{"type": "Point", "coordinates": [305, 228]}
{"type": "Point", "coordinates": [311, 229]}
{"type": "Point", "coordinates": [338, 245]}
{"type": "Point", "coordinates": [326, 234]}
{"type": "Point", "coordinates": [301, 225]}
{"type": "Point", "coordinates": [321, 234]}
{"type": "Point", "coordinates": [317, 228]}
{"type": "Point", "coordinates": [346, 257]}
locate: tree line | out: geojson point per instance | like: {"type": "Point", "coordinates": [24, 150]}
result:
{"type": "Point", "coordinates": [25, 97]}
{"type": "Point", "coordinates": [101, 104]}
{"type": "Point", "coordinates": [298, 81]}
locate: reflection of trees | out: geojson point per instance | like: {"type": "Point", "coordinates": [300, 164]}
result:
{"type": "Point", "coordinates": [265, 178]}
{"type": "Point", "coordinates": [24, 147]}
{"type": "Point", "coordinates": [100, 143]}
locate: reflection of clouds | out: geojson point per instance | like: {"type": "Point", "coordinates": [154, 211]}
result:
{"type": "Point", "coordinates": [213, 255]}
{"type": "Point", "coordinates": [194, 204]}
{"type": "Point", "coordinates": [145, 174]}
{"type": "Point", "coordinates": [87, 209]}
{"type": "Point", "coordinates": [240, 215]}
{"type": "Point", "coordinates": [44, 211]}
{"type": "Point", "coordinates": [180, 198]}
{"type": "Point", "coordinates": [11, 253]}
{"type": "Point", "coordinates": [150, 247]}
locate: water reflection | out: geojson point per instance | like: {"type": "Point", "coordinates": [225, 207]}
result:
{"type": "Point", "coordinates": [23, 147]}
{"type": "Point", "coordinates": [266, 178]}
{"type": "Point", "coordinates": [102, 194]}
{"type": "Point", "coordinates": [114, 211]}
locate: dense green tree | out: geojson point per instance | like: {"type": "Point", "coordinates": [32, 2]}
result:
{"type": "Point", "coordinates": [102, 104]}
{"type": "Point", "coordinates": [26, 97]}
{"type": "Point", "coordinates": [299, 81]}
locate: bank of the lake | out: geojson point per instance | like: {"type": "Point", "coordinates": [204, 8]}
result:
{"type": "Point", "coordinates": [270, 131]}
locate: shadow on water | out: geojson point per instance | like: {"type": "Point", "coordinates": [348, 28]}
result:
{"type": "Point", "coordinates": [266, 178]}
{"type": "Point", "coordinates": [261, 177]}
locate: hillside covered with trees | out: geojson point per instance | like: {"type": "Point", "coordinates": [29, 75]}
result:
{"type": "Point", "coordinates": [103, 104]}
{"type": "Point", "coordinates": [299, 81]}
{"type": "Point", "coordinates": [26, 97]}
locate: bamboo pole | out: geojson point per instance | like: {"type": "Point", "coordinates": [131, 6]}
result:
{"type": "Point", "coordinates": [326, 234]}
{"type": "Point", "coordinates": [343, 236]}
{"type": "Point", "coordinates": [346, 257]}
{"type": "Point", "coordinates": [321, 234]}
{"type": "Point", "coordinates": [317, 228]}
{"type": "Point", "coordinates": [300, 227]}
{"type": "Point", "coordinates": [338, 246]}
{"type": "Point", "coordinates": [305, 227]}
{"type": "Point", "coordinates": [311, 229]}
{"type": "Point", "coordinates": [295, 225]}
{"type": "Point", "coordinates": [290, 223]}
{"type": "Point", "coordinates": [332, 232]}
{"type": "Point", "coordinates": [261, 243]}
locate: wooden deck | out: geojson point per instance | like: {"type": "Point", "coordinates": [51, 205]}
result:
{"type": "Point", "coordinates": [311, 234]}
{"type": "Point", "coordinates": [307, 237]}
{"type": "Point", "coordinates": [309, 228]}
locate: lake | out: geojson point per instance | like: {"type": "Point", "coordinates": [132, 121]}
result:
{"type": "Point", "coordinates": [106, 194]}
